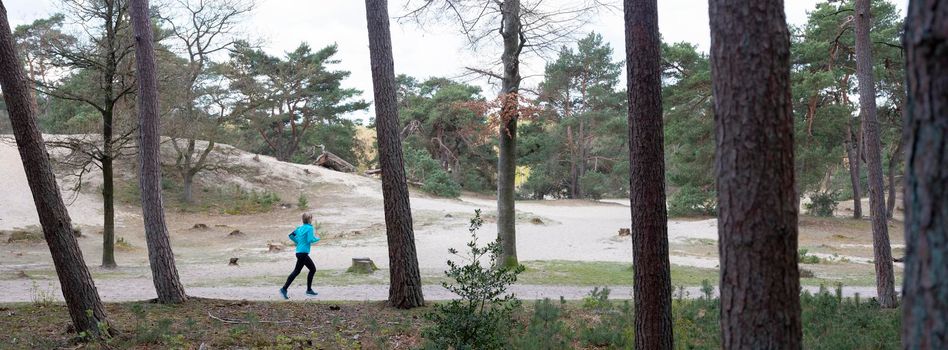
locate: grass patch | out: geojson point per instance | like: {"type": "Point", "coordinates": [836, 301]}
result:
{"type": "Point", "coordinates": [829, 322]}
{"type": "Point", "coordinates": [30, 234]}
{"type": "Point", "coordinates": [598, 273]}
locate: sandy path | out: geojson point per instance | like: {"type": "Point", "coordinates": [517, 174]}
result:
{"type": "Point", "coordinates": [119, 291]}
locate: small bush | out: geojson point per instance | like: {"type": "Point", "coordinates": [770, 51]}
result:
{"type": "Point", "coordinates": [594, 184]}
{"type": "Point", "coordinates": [598, 299]}
{"type": "Point", "coordinates": [481, 318]}
{"type": "Point", "coordinates": [690, 201]}
{"type": "Point", "coordinates": [302, 202]}
{"type": "Point", "coordinates": [823, 204]}
{"type": "Point", "coordinates": [616, 327]}
{"type": "Point", "coordinates": [546, 330]}
{"type": "Point", "coordinates": [420, 167]}
{"type": "Point", "coordinates": [803, 258]}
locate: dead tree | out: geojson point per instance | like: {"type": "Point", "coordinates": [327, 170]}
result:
{"type": "Point", "coordinates": [161, 258]}
{"type": "Point", "coordinates": [82, 299]}
{"type": "Point", "coordinates": [925, 287]}
{"type": "Point", "coordinates": [885, 276]}
{"type": "Point", "coordinates": [404, 290]}
{"type": "Point", "coordinates": [757, 199]}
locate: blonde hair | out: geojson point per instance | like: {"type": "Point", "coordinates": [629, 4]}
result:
{"type": "Point", "coordinates": [307, 218]}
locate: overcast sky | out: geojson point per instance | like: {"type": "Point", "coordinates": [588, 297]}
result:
{"type": "Point", "coordinates": [423, 52]}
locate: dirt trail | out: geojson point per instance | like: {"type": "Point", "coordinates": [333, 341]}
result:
{"type": "Point", "coordinates": [119, 291]}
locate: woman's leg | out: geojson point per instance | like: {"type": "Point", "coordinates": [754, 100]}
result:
{"type": "Point", "coordinates": [312, 272]}
{"type": "Point", "coordinates": [296, 270]}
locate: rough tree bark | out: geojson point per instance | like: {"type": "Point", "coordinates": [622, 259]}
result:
{"type": "Point", "coordinates": [894, 161]}
{"type": "Point", "coordinates": [163, 270]}
{"type": "Point", "coordinates": [510, 112]}
{"type": "Point", "coordinates": [882, 252]}
{"type": "Point", "coordinates": [652, 276]}
{"type": "Point", "coordinates": [925, 288]}
{"type": "Point", "coordinates": [852, 153]}
{"type": "Point", "coordinates": [757, 198]}
{"type": "Point", "coordinates": [82, 299]}
{"type": "Point", "coordinates": [405, 288]}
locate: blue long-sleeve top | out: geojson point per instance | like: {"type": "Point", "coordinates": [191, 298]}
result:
{"type": "Point", "coordinates": [304, 236]}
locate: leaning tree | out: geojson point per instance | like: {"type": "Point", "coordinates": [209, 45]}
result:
{"type": "Point", "coordinates": [882, 252]}
{"type": "Point", "coordinates": [82, 299]}
{"type": "Point", "coordinates": [757, 199]}
{"type": "Point", "coordinates": [405, 287]}
{"type": "Point", "coordinates": [163, 270]}
{"type": "Point", "coordinates": [925, 287]}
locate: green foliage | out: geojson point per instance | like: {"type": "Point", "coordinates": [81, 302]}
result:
{"type": "Point", "coordinates": [615, 327]}
{"type": "Point", "coordinates": [302, 202]}
{"type": "Point", "coordinates": [481, 318]}
{"type": "Point", "coordinates": [293, 103]}
{"type": "Point", "coordinates": [420, 167]}
{"type": "Point", "coordinates": [689, 134]}
{"type": "Point", "coordinates": [577, 147]}
{"type": "Point", "coordinates": [598, 299]}
{"type": "Point", "coordinates": [823, 204]}
{"type": "Point", "coordinates": [803, 258]}
{"type": "Point", "coordinates": [690, 201]}
{"type": "Point", "coordinates": [546, 329]}
{"type": "Point", "coordinates": [446, 119]}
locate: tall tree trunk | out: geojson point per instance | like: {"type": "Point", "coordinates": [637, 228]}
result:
{"type": "Point", "coordinates": [885, 278]}
{"type": "Point", "coordinates": [108, 203]}
{"type": "Point", "coordinates": [404, 291]}
{"type": "Point", "coordinates": [188, 179]}
{"type": "Point", "coordinates": [161, 258]}
{"type": "Point", "coordinates": [925, 288]}
{"type": "Point", "coordinates": [757, 200]}
{"type": "Point", "coordinates": [895, 159]}
{"type": "Point", "coordinates": [510, 112]}
{"type": "Point", "coordinates": [652, 276]}
{"type": "Point", "coordinates": [82, 299]}
{"type": "Point", "coordinates": [852, 153]}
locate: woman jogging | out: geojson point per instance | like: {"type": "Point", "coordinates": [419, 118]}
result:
{"type": "Point", "coordinates": [303, 236]}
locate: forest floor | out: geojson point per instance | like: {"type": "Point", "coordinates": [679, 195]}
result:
{"type": "Point", "coordinates": [568, 246]}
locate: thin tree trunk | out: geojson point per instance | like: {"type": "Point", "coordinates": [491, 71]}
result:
{"type": "Point", "coordinates": [188, 177]}
{"type": "Point", "coordinates": [925, 288]}
{"type": "Point", "coordinates": [885, 277]}
{"type": "Point", "coordinates": [757, 198]}
{"type": "Point", "coordinates": [510, 112]}
{"type": "Point", "coordinates": [405, 288]}
{"type": "Point", "coordinates": [895, 159]}
{"type": "Point", "coordinates": [82, 299]}
{"type": "Point", "coordinates": [161, 258]}
{"type": "Point", "coordinates": [108, 205]}
{"type": "Point", "coordinates": [652, 276]}
{"type": "Point", "coordinates": [852, 153]}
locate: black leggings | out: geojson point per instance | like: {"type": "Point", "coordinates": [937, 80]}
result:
{"type": "Point", "coordinates": [301, 260]}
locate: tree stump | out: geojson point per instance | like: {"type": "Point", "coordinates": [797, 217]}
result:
{"type": "Point", "coordinates": [362, 265]}
{"type": "Point", "coordinates": [235, 233]}
{"type": "Point", "coordinates": [625, 232]}
{"type": "Point", "coordinates": [274, 247]}
{"type": "Point", "coordinates": [199, 227]}
{"type": "Point", "coordinates": [233, 262]}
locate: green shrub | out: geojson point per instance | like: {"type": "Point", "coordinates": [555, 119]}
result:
{"type": "Point", "coordinates": [546, 330]}
{"type": "Point", "coordinates": [420, 167]}
{"type": "Point", "coordinates": [440, 184]}
{"type": "Point", "coordinates": [594, 184]}
{"type": "Point", "coordinates": [823, 204]}
{"type": "Point", "coordinates": [616, 326]}
{"type": "Point", "coordinates": [690, 201]}
{"type": "Point", "coordinates": [804, 258]}
{"type": "Point", "coordinates": [302, 202]}
{"type": "Point", "coordinates": [481, 318]}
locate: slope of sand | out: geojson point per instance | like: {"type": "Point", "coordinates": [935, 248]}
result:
{"type": "Point", "coordinates": [17, 209]}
